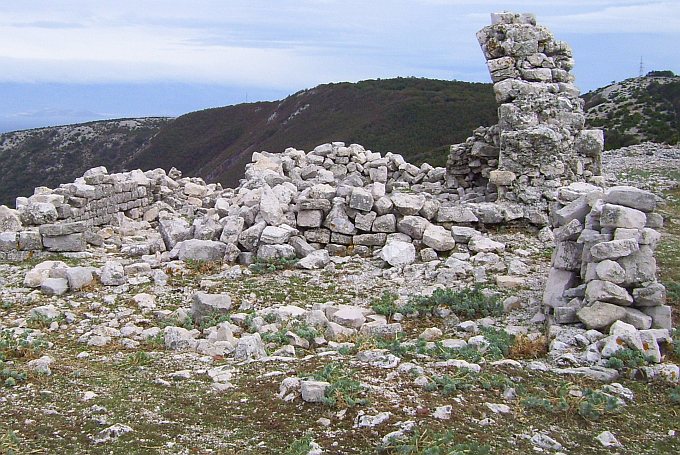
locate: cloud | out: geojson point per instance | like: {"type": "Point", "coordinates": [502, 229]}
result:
{"type": "Point", "coordinates": [283, 44]}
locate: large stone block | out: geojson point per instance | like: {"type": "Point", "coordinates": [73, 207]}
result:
{"type": "Point", "coordinates": [64, 243]}
{"type": "Point", "coordinates": [558, 282]}
{"type": "Point", "coordinates": [201, 250]}
{"type": "Point", "coordinates": [600, 315]}
{"type": "Point", "coordinates": [618, 216]}
{"type": "Point", "coordinates": [614, 249]}
{"type": "Point", "coordinates": [632, 197]}
{"type": "Point", "coordinates": [604, 291]}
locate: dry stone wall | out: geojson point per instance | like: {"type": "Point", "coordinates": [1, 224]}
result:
{"type": "Point", "coordinates": [603, 266]}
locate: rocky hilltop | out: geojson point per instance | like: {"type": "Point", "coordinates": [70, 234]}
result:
{"type": "Point", "coordinates": [343, 300]}
{"type": "Point", "coordinates": [49, 156]}
{"type": "Point", "coordinates": [637, 110]}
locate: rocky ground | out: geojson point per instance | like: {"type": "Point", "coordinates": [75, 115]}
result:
{"type": "Point", "coordinates": [439, 356]}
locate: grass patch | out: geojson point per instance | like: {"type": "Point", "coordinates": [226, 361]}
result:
{"type": "Point", "coordinates": [427, 442]}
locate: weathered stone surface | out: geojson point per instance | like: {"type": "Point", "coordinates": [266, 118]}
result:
{"type": "Point", "coordinates": [59, 229]}
{"type": "Point", "coordinates": [600, 315]}
{"type": "Point", "coordinates": [485, 245]}
{"type": "Point", "coordinates": [352, 317]}
{"type": "Point", "coordinates": [54, 286]}
{"type": "Point", "coordinates": [270, 207]}
{"type": "Point", "coordinates": [604, 291]}
{"type": "Point", "coordinates": [179, 338]}
{"type": "Point", "coordinates": [313, 391]}
{"type": "Point", "coordinates": [408, 204]}
{"type": "Point", "coordinates": [567, 255]}
{"type": "Point", "coordinates": [42, 271]}
{"type": "Point", "coordinates": [232, 226]}
{"type": "Point", "coordinates": [113, 274]}
{"type": "Point", "coordinates": [338, 221]}
{"type": "Point", "coordinates": [274, 252]}
{"type": "Point", "coordinates": [38, 213]}
{"type": "Point", "coordinates": [174, 231]}
{"type": "Point", "coordinates": [277, 235]}
{"type": "Point", "coordinates": [385, 223]}
{"type": "Point", "coordinates": [413, 226]}
{"type": "Point", "coordinates": [79, 277]}
{"type": "Point", "coordinates": [65, 243]}
{"type": "Point", "coordinates": [438, 238]}
{"type": "Point", "coordinates": [378, 239]}
{"type": "Point", "coordinates": [9, 220]}
{"type": "Point", "coordinates": [360, 199]}
{"type": "Point", "coordinates": [250, 237]}
{"type": "Point", "coordinates": [315, 260]}
{"type": "Point", "coordinates": [614, 249]}
{"type": "Point", "coordinates": [651, 295]}
{"type": "Point", "coordinates": [638, 319]}
{"type": "Point", "coordinates": [575, 210]}
{"type": "Point", "coordinates": [249, 347]}
{"type": "Point", "coordinates": [310, 218]}
{"type": "Point", "coordinates": [398, 253]}
{"type": "Point", "coordinates": [661, 316]}
{"type": "Point", "coordinates": [609, 270]}
{"type": "Point", "coordinates": [632, 197]}
{"type": "Point", "coordinates": [201, 250]}
{"type": "Point", "coordinates": [456, 214]}
{"type": "Point", "coordinates": [205, 305]}
{"type": "Point", "coordinates": [640, 267]}
{"type": "Point", "coordinates": [616, 216]}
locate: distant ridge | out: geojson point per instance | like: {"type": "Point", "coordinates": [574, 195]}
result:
{"type": "Point", "coordinates": [418, 118]}
{"type": "Point", "coordinates": [637, 110]}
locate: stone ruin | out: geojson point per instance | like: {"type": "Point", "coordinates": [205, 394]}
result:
{"type": "Point", "coordinates": [540, 143]}
{"type": "Point", "coordinates": [532, 167]}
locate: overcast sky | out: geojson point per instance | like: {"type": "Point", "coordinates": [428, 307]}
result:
{"type": "Point", "coordinates": [74, 60]}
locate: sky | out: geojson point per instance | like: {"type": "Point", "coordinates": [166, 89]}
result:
{"type": "Point", "coordinates": [68, 61]}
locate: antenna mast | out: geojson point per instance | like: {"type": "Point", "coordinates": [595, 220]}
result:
{"type": "Point", "coordinates": [642, 67]}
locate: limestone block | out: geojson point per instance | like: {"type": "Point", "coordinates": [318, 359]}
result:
{"type": "Point", "coordinates": [364, 222]}
{"type": "Point", "coordinates": [618, 216]}
{"type": "Point", "coordinates": [604, 291]}
{"type": "Point", "coordinates": [600, 315]}
{"type": "Point", "coordinates": [398, 254]}
{"type": "Point", "coordinates": [413, 226]}
{"type": "Point", "coordinates": [63, 243]}
{"type": "Point", "coordinates": [204, 305]}
{"type": "Point", "coordinates": [315, 260]}
{"type": "Point", "coordinates": [438, 238]}
{"type": "Point", "coordinates": [9, 220]}
{"type": "Point", "coordinates": [456, 214]}
{"type": "Point", "coordinates": [567, 255]}
{"type": "Point", "coordinates": [277, 235]}
{"type": "Point", "coordinates": [360, 199]}
{"type": "Point", "coordinates": [378, 239]}
{"type": "Point", "coordinates": [408, 204]}
{"type": "Point", "coordinates": [310, 218]}
{"type": "Point", "coordinates": [649, 296]}
{"type": "Point", "coordinates": [274, 252]}
{"type": "Point", "coordinates": [201, 250]}
{"type": "Point", "coordinates": [614, 249]}
{"type": "Point", "coordinates": [661, 316]}
{"type": "Point", "coordinates": [385, 223]}
{"type": "Point", "coordinates": [632, 197]}
{"type": "Point", "coordinates": [609, 270]}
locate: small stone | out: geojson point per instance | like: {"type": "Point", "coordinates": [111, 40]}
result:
{"type": "Point", "coordinates": [431, 334]}
{"type": "Point", "coordinates": [314, 391]}
{"type": "Point", "coordinates": [607, 439]}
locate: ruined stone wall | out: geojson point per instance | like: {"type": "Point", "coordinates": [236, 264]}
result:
{"type": "Point", "coordinates": [603, 266]}
{"type": "Point", "coordinates": [540, 143]}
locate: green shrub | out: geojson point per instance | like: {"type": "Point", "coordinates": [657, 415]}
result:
{"type": "Point", "coordinates": [471, 303]}
{"type": "Point", "coordinates": [300, 446]}
{"type": "Point", "coordinates": [262, 267]}
{"type": "Point", "coordinates": [627, 358]}
{"type": "Point", "coordinates": [427, 442]}
{"type": "Point", "coordinates": [597, 404]}
{"type": "Point", "coordinates": [386, 306]}
{"type": "Point", "coordinates": [344, 389]}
